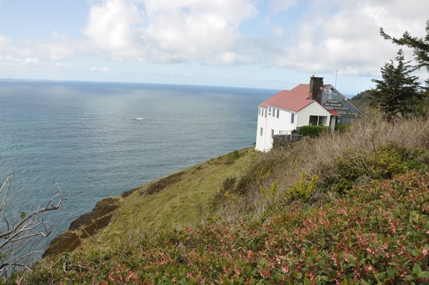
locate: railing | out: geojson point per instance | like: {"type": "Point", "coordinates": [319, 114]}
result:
{"type": "Point", "coordinates": [282, 140]}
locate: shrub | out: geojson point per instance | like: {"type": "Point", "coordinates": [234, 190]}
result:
{"type": "Point", "coordinates": [228, 184]}
{"type": "Point", "coordinates": [312, 131]}
{"type": "Point", "coordinates": [377, 234]}
{"type": "Point", "coordinates": [383, 162]}
{"type": "Point", "coordinates": [342, 127]}
{"type": "Point", "coordinates": [258, 173]}
{"type": "Point", "coordinates": [270, 194]}
{"type": "Point", "coordinates": [302, 189]}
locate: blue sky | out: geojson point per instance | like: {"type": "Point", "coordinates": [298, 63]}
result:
{"type": "Point", "coordinates": [274, 44]}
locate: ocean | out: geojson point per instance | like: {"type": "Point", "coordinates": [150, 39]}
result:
{"type": "Point", "coordinates": [97, 140]}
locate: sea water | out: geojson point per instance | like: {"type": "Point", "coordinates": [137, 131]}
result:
{"type": "Point", "coordinates": [97, 140]}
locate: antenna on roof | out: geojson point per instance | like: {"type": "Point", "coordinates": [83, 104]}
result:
{"type": "Point", "coordinates": [336, 75]}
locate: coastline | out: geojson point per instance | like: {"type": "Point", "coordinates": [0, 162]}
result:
{"type": "Point", "coordinates": [186, 196]}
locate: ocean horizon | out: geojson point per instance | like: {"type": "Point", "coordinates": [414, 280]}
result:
{"type": "Point", "coordinates": [100, 139]}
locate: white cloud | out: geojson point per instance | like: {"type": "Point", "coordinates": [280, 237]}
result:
{"type": "Point", "coordinates": [61, 66]}
{"type": "Point", "coordinates": [9, 62]}
{"type": "Point", "coordinates": [170, 31]}
{"type": "Point", "coordinates": [280, 5]}
{"type": "Point", "coordinates": [30, 61]}
{"type": "Point", "coordinates": [328, 35]}
{"type": "Point", "coordinates": [344, 36]}
{"type": "Point", "coordinates": [99, 69]}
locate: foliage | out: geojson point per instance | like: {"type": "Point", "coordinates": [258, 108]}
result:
{"type": "Point", "coordinates": [270, 194]}
{"type": "Point", "coordinates": [342, 127]}
{"type": "Point", "coordinates": [228, 184]}
{"type": "Point", "coordinates": [398, 92]}
{"type": "Point", "coordinates": [377, 233]}
{"type": "Point", "coordinates": [302, 189]}
{"type": "Point", "coordinates": [383, 162]}
{"type": "Point", "coordinates": [361, 99]}
{"type": "Point", "coordinates": [420, 46]}
{"type": "Point", "coordinates": [254, 176]}
{"type": "Point", "coordinates": [312, 131]}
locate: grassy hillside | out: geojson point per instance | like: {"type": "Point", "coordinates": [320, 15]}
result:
{"type": "Point", "coordinates": [361, 99]}
{"type": "Point", "coordinates": [182, 198]}
{"type": "Point", "coordinates": [349, 208]}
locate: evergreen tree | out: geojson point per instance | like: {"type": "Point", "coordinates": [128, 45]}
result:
{"type": "Point", "coordinates": [419, 45]}
{"type": "Point", "coordinates": [398, 92]}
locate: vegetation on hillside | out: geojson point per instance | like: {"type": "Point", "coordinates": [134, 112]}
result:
{"type": "Point", "coordinates": [346, 208]}
{"type": "Point", "coordinates": [361, 99]}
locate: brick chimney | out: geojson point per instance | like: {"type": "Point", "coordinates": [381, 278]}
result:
{"type": "Point", "coordinates": [316, 87]}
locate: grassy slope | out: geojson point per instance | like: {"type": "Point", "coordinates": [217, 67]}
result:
{"type": "Point", "coordinates": [378, 231]}
{"type": "Point", "coordinates": [186, 199]}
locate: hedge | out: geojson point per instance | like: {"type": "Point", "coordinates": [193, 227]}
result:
{"type": "Point", "coordinates": [312, 131]}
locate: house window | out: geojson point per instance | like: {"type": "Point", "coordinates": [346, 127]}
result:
{"type": "Point", "coordinates": [272, 133]}
{"type": "Point", "coordinates": [318, 120]}
{"type": "Point", "coordinates": [262, 131]}
{"type": "Point", "coordinates": [292, 118]}
{"type": "Point", "coordinates": [274, 112]}
{"type": "Point", "coordinates": [278, 112]}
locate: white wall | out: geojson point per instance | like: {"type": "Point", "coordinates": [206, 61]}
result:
{"type": "Point", "coordinates": [271, 122]}
{"type": "Point", "coordinates": [262, 123]}
{"type": "Point", "coordinates": [314, 109]}
{"type": "Point", "coordinates": [268, 122]}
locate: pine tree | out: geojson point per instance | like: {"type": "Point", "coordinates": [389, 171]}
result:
{"type": "Point", "coordinates": [398, 92]}
{"type": "Point", "coordinates": [420, 46]}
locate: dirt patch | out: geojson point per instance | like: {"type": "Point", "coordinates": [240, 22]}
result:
{"type": "Point", "coordinates": [65, 242]}
{"type": "Point", "coordinates": [101, 209]}
{"type": "Point", "coordinates": [86, 225]}
{"type": "Point", "coordinates": [96, 225]}
{"type": "Point", "coordinates": [129, 192]}
{"type": "Point", "coordinates": [164, 182]}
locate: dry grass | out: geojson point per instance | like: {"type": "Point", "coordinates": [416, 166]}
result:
{"type": "Point", "coordinates": [189, 196]}
{"type": "Point", "coordinates": [316, 156]}
{"type": "Point", "coordinates": [180, 199]}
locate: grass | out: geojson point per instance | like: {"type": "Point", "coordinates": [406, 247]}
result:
{"type": "Point", "coordinates": [180, 199]}
{"type": "Point", "coordinates": [347, 208]}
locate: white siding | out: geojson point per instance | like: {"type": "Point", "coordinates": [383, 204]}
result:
{"type": "Point", "coordinates": [272, 122]}
{"type": "Point", "coordinates": [269, 121]}
{"type": "Point", "coordinates": [314, 109]}
{"type": "Point", "coordinates": [262, 124]}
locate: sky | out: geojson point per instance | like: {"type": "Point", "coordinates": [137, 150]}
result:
{"type": "Point", "coordinates": [274, 44]}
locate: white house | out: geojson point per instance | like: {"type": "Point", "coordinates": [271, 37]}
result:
{"type": "Point", "coordinates": [306, 104]}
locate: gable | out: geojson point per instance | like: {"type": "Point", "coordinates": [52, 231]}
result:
{"type": "Point", "coordinates": [293, 100]}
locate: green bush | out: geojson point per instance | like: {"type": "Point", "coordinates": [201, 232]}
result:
{"type": "Point", "coordinates": [302, 189]}
{"type": "Point", "coordinates": [342, 127]}
{"type": "Point", "coordinates": [376, 234]}
{"type": "Point", "coordinates": [312, 131]}
{"type": "Point", "coordinates": [254, 176]}
{"type": "Point", "coordinates": [228, 184]}
{"type": "Point", "coordinates": [383, 162]}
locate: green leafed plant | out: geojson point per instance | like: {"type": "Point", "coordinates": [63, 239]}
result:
{"type": "Point", "coordinates": [303, 188]}
{"type": "Point", "coordinates": [269, 194]}
{"type": "Point", "coordinates": [384, 162]}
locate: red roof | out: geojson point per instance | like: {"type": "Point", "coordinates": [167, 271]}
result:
{"type": "Point", "coordinates": [293, 100]}
{"type": "Point", "coordinates": [333, 112]}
